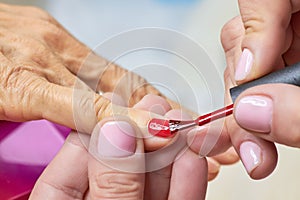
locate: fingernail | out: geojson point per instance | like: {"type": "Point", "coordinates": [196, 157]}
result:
{"type": "Point", "coordinates": [244, 65]}
{"type": "Point", "coordinates": [251, 155]}
{"type": "Point", "coordinates": [255, 113]}
{"type": "Point", "coordinates": [116, 139]}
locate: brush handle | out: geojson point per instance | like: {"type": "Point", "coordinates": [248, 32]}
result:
{"type": "Point", "coordinates": [288, 75]}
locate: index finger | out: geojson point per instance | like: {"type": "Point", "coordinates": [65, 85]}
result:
{"type": "Point", "coordinates": [268, 34]}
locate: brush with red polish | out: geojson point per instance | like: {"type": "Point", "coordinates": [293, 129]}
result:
{"type": "Point", "coordinates": [167, 128]}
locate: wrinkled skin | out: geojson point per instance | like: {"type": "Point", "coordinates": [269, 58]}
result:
{"type": "Point", "coordinates": [40, 59]}
{"type": "Point", "coordinates": [48, 74]}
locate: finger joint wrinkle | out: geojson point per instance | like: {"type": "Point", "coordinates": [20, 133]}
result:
{"type": "Point", "coordinates": [70, 191]}
{"type": "Point", "coordinates": [116, 184]}
{"type": "Point", "coordinates": [103, 107]}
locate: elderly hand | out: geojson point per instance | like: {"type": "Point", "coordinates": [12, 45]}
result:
{"type": "Point", "coordinates": [39, 64]}
{"type": "Point", "coordinates": [118, 167]}
{"type": "Point", "coordinates": [46, 73]}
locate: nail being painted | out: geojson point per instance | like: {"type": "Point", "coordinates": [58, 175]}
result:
{"type": "Point", "coordinates": [167, 128]}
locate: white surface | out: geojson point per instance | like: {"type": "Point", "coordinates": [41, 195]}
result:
{"type": "Point", "coordinates": [95, 21]}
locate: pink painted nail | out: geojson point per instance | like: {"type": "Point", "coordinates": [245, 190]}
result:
{"type": "Point", "coordinates": [244, 66]}
{"type": "Point", "coordinates": [255, 113]}
{"type": "Point", "coordinates": [251, 155]}
{"type": "Point", "coordinates": [116, 139]}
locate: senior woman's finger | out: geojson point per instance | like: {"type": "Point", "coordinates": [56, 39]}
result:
{"type": "Point", "coordinates": [116, 166]}
{"type": "Point", "coordinates": [26, 96]}
{"type": "Point", "coordinates": [66, 177]}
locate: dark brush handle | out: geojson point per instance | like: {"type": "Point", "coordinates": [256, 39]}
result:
{"type": "Point", "coordinates": [289, 75]}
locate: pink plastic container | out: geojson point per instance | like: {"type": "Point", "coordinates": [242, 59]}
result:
{"type": "Point", "coordinates": [25, 150]}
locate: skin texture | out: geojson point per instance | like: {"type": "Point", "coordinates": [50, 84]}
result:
{"type": "Point", "coordinates": [270, 32]}
{"type": "Point", "coordinates": [102, 177]}
{"type": "Point", "coordinates": [48, 74]}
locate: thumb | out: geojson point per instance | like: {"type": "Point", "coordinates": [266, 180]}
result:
{"type": "Point", "coordinates": [267, 36]}
{"type": "Point", "coordinates": [116, 166]}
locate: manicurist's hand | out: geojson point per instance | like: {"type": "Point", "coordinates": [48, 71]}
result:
{"type": "Point", "coordinates": [263, 39]}
{"type": "Point", "coordinates": [267, 38]}
{"type": "Point", "coordinates": [117, 166]}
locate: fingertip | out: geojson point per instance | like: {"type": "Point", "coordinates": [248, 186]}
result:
{"type": "Point", "coordinates": [259, 160]}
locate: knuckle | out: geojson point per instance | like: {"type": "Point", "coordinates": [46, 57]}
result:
{"type": "Point", "coordinates": [22, 90]}
{"type": "Point", "coordinates": [23, 74]}
{"type": "Point", "coordinates": [103, 107]}
{"type": "Point", "coordinates": [253, 25]}
{"type": "Point", "coordinates": [56, 37]}
{"type": "Point", "coordinates": [13, 77]}
{"type": "Point", "coordinates": [85, 102]}
{"type": "Point", "coordinates": [231, 32]}
{"type": "Point", "coordinates": [253, 21]}
{"type": "Point", "coordinates": [116, 185]}
{"type": "Point", "coordinates": [25, 48]}
{"type": "Point", "coordinates": [84, 111]}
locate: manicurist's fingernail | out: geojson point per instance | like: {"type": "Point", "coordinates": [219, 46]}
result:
{"type": "Point", "coordinates": [255, 113]}
{"type": "Point", "coordinates": [116, 139]}
{"type": "Point", "coordinates": [250, 155]}
{"type": "Point", "coordinates": [244, 65]}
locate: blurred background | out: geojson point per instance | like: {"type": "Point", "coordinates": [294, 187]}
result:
{"type": "Point", "coordinates": [199, 21]}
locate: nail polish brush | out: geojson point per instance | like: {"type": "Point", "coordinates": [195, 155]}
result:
{"type": "Point", "coordinates": [167, 128]}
